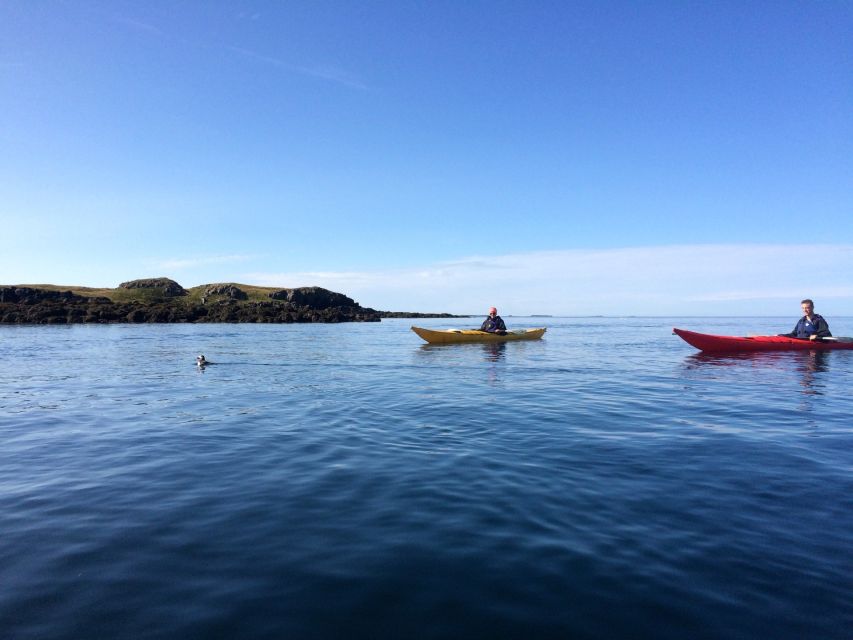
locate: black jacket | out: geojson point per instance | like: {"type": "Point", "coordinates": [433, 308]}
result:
{"type": "Point", "coordinates": [493, 325]}
{"type": "Point", "coordinates": [805, 329]}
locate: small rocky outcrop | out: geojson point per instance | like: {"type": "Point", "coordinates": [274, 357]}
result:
{"type": "Point", "coordinates": [314, 297]}
{"type": "Point", "coordinates": [231, 291]}
{"type": "Point", "coordinates": [415, 314]}
{"type": "Point", "coordinates": [167, 287]}
{"type": "Point", "coordinates": [31, 295]}
{"type": "Point", "coordinates": [281, 294]}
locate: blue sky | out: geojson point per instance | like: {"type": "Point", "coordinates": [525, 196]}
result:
{"type": "Point", "coordinates": [545, 157]}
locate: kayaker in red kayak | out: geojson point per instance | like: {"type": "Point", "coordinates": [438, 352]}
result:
{"type": "Point", "coordinates": [494, 323]}
{"type": "Point", "coordinates": [811, 326]}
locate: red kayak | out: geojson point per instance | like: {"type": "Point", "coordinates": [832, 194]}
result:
{"type": "Point", "coordinates": [734, 344]}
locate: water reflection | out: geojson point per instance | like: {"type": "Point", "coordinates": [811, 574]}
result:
{"type": "Point", "coordinates": [809, 365]}
{"type": "Point", "coordinates": [814, 363]}
{"type": "Point", "coordinates": [755, 358]}
{"type": "Point", "coordinates": [494, 351]}
{"type": "Point", "coordinates": [492, 354]}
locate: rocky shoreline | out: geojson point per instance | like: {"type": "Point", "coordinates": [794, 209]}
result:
{"type": "Point", "coordinates": [164, 300]}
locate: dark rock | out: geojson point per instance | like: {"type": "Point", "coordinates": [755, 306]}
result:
{"type": "Point", "coordinates": [281, 294]}
{"type": "Point", "coordinates": [314, 297]}
{"type": "Point", "coordinates": [413, 314]}
{"type": "Point", "coordinates": [31, 295]}
{"type": "Point", "coordinates": [231, 291]}
{"type": "Point", "coordinates": [137, 315]}
{"type": "Point", "coordinates": [166, 286]}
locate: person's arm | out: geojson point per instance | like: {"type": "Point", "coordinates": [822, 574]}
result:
{"type": "Point", "coordinates": [793, 334]}
{"type": "Point", "coordinates": [500, 325]}
{"type": "Point", "coordinates": [822, 329]}
{"type": "Point", "coordinates": [485, 325]}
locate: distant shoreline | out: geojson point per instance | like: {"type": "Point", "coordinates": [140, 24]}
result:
{"type": "Point", "coordinates": [162, 300]}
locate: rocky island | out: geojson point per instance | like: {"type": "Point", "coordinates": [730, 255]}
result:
{"type": "Point", "coordinates": [164, 300]}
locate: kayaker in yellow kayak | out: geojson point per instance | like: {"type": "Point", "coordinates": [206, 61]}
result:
{"type": "Point", "coordinates": [493, 323]}
{"type": "Point", "coordinates": [811, 326]}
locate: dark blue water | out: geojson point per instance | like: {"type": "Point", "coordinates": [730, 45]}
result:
{"type": "Point", "coordinates": [348, 481]}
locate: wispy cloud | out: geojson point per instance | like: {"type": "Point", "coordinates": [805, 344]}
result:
{"type": "Point", "coordinates": [669, 280]}
{"type": "Point", "coordinates": [329, 73]}
{"type": "Point", "coordinates": [139, 25]}
{"type": "Point", "coordinates": [324, 72]}
{"type": "Point", "coordinates": [202, 261]}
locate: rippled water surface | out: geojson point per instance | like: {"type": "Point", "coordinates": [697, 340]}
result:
{"type": "Point", "coordinates": [331, 481]}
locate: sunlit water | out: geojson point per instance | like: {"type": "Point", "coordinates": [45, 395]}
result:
{"type": "Point", "coordinates": [348, 481]}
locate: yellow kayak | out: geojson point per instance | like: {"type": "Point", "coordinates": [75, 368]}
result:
{"type": "Point", "coordinates": [451, 336]}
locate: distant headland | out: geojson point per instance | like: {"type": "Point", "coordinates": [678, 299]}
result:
{"type": "Point", "coordinates": [164, 300]}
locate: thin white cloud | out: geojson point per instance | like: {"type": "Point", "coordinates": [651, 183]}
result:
{"type": "Point", "coordinates": [668, 280]}
{"type": "Point", "coordinates": [139, 25]}
{"type": "Point", "coordinates": [202, 261]}
{"type": "Point", "coordinates": [324, 72]}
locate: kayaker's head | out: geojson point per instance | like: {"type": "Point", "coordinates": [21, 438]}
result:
{"type": "Point", "coordinates": [493, 311]}
{"type": "Point", "coordinates": [808, 307]}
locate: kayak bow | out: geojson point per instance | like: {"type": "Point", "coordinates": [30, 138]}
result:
{"type": "Point", "coordinates": [453, 336]}
{"type": "Point", "coordinates": [734, 344]}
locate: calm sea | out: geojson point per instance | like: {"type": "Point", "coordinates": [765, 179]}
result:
{"type": "Point", "coordinates": [348, 481]}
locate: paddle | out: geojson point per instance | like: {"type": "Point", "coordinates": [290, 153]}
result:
{"type": "Point", "coordinates": [824, 339]}
{"type": "Point", "coordinates": [499, 333]}
{"type": "Point", "coordinates": [785, 335]}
